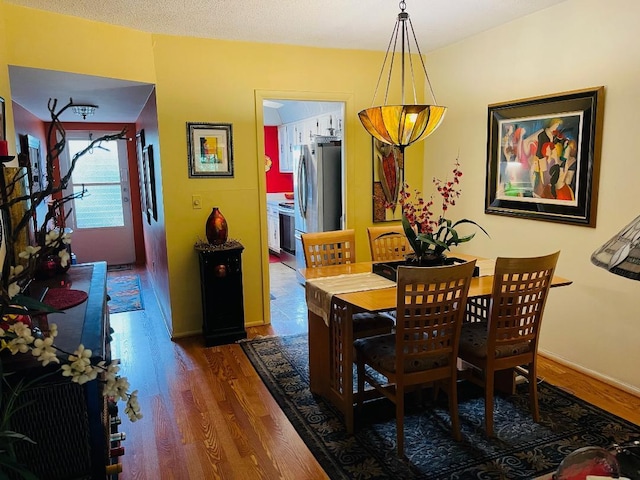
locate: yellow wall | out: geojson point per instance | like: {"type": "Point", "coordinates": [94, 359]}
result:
{"type": "Point", "coordinates": [200, 80]}
{"type": "Point", "coordinates": [4, 80]}
{"type": "Point", "coordinates": [217, 81]}
{"type": "Point", "coordinates": [593, 324]}
{"type": "Point", "coordinates": [58, 42]}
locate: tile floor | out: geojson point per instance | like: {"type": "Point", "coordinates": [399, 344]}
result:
{"type": "Point", "coordinates": [288, 305]}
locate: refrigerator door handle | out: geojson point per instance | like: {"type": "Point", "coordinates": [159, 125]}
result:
{"type": "Point", "coordinates": [301, 194]}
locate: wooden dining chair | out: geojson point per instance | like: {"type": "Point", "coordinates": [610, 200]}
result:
{"type": "Point", "coordinates": [388, 243]}
{"type": "Point", "coordinates": [509, 337]}
{"type": "Point", "coordinates": [338, 247]}
{"type": "Point", "coordinates": [335, 247]}
{"type": "Point", "coordinates": [424, 348]}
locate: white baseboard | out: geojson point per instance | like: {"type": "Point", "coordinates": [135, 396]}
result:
{"type": "Point", "coordinates": [603, 378]}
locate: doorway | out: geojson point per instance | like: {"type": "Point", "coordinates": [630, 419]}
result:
{"type": "Point", "coordinates": [293, 128]}
{"type": "Point", "coordinates": [101, 219]}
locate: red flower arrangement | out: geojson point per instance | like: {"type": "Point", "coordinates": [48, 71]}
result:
{"type": "Point", "coordinates": [429, 236]}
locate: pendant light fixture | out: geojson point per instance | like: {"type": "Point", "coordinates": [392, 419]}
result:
{"type": "Point", "coordinates": [402, 125]}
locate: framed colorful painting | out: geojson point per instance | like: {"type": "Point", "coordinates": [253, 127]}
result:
{"type": "Point", "coordinates": [543, 157]}
{"type": "Point", "coordinates": [388, 176]}
{"type": "Point", "coordinates": [210, 148]}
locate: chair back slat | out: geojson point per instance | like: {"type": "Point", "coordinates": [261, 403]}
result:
{"type": "Point", "coordinates": [335, 247]}
{"type": "Point", "coordinates": [388, 243]}
{"type": "Point", "coordinates": [430, 308]}
{"type": "Point", "coordinates": [520, 290]}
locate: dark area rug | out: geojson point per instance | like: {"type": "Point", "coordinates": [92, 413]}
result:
{"type": "Point", "coordinates": [520, 449]}
{"type": "Point", "coordinates": [124, 293]}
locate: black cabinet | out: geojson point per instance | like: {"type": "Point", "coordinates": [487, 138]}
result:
{"type": "Point", "coordinates": [221, 287]}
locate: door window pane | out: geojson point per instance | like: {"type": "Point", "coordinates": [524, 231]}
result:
{"type": "Point", "coordinates": [100, 207]}
{"type": "Point", "coordinates": [97, 166]}
{"type": "Point", "coordinates": [99, 171]}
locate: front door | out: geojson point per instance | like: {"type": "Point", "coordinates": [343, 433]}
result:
{"type": "Point", "coordinates": [101, 219]}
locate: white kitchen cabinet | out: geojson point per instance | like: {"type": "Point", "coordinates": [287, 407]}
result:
{"type": "Point", "coordinates": [286, 136]}
{"type": "Point", "coordinates": [304, 132]}
{"type": "Point", "coordinates": [273, 228]}
{"type": "Point", "coordinates": [283, 144]}
{"type": "Point", "coordinates": [311, 129]}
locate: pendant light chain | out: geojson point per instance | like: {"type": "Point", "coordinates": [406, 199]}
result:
{"type": "Point", "coordinates": [404, 124]}
{"type": "Point", "coordinates": [424, 67]}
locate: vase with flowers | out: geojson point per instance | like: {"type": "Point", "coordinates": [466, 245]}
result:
{"type": "Point", "coordinates": [430, 236]}
{"type": "Point", "coordinates": [19, 265]}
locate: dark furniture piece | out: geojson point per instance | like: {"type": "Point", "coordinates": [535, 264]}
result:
{"type": "Point", "coordinates": [221, 286]}
{"type": "Point", "coordinates": [71, 423]}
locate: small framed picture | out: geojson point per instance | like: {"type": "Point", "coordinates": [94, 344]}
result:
{"type": "Point", "coordinates": [210, 149]}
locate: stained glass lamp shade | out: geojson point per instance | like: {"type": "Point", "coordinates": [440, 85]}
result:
{"type": "Point", "coordinates": [402, 125]}
{"type": "Point", "coordinates": [621, 254]}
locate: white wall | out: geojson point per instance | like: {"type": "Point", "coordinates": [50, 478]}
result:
{"type": "Point", "coordinates": [595, 323]}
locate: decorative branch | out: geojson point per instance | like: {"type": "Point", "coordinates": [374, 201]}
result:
{"type": "Point", "coordinates": [53, 193]}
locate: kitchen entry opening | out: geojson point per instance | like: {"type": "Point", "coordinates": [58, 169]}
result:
{"type": "Point", "coordinates": [101, 219]}
{"type": "Point", "coordinates": [304, 164]}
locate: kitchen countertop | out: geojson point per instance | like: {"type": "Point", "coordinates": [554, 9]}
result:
{"type": "Point", "coordinates": [274, 199]}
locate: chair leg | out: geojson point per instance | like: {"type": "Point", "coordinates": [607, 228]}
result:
{"type": "Point", "coordinates": [533, 391]}
{"type": "Point", "coordinates": [360, 391]}
{"type": "Point", "coordinates": [488, 402]}
{"type": "Point", "coordinates": [453, 409]}
{"type": "Point", "coordinates": [400, 420]}
{"type": "Point", "coordinates": [436, 391]}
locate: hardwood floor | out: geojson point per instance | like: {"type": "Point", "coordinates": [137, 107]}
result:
{"type": "Point", "coordinates": [208, 415]}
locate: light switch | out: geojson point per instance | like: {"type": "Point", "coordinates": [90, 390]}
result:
{"type": "Point", "coordinates": [196, 201]}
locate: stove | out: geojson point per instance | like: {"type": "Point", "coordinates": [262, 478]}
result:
{"type": "Point", "coordinates": [287, 233]}
{"type": "Point", "coordinates": [286, 206]}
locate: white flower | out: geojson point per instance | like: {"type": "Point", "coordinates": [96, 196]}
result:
{"type": "Point", "coordinates": [116, 387]}
{"type": "Point", "coordinates": [80, 369]}
{"type": "Point", "coordinates": [112, 371]}
{"type": "Point", "coordinates": [51, 238]}
{"type": "Point", "coordinates": [14, 271]}
{"type": "Point", "coordinates": [18, 344]}
{"type": "Point", "coordinates": [64, 258]}
{"type": "Point", "coordinates": [44, 351]}
{"type": "Point", "coordinates": [132, 408]}
{"type": "Point", "coordinates": [53, 330]}
{"type": "Point", "coordinates": [29, 252]}
{"type": "Point", "coordinates": [13, 290]}
{"type": "Point", "coordinates": [22, 332]}
{"type": "Point", "coordinates": [66, 238]}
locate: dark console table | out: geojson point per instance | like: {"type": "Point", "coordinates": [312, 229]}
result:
{"type": "Point", "coordinates": [221, 287]}
{"type": "Point", "coordinates": [71, 423]}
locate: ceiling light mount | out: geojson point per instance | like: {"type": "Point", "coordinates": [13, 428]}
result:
{"type": "Point", "coordinates": [402, 125]}
{"type": "Point", "coordinates": [84, 110]}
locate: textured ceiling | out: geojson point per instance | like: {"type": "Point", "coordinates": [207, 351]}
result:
{"type": "Point", "coordinates": [356, 24]}
{"type": "Point", "coordinates": [360, 24]}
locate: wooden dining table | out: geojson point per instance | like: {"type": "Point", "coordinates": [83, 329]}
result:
{"type": "Point", "coordinates": [331, 337]}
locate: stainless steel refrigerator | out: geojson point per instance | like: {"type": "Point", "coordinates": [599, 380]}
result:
{"type": "Point", "coordinates": [317, 185]}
